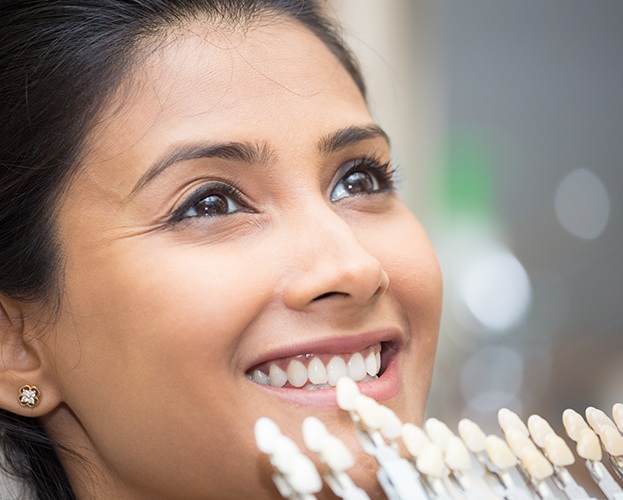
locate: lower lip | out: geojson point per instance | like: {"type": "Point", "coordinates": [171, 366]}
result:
{"type": "Point", "coordinates": [385, 387]}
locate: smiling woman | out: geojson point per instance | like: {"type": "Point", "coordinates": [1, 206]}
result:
{"type": "Point", "coordinates": [199, 222]}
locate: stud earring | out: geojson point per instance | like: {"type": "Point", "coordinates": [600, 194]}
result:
{"type": "Point", "coordinates": [28, 396]}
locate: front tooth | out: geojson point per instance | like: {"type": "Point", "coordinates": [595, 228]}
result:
{"type": "Point", "coordinates": [356, 367]}
{"type": "Point", "coordinates": [260, 377]}
{"type": "Point", "coordinates": [499, 452]}
{"type": "Point", "coordinates": [430, 461]}
{"type": "Point", "coordinates": [277, 376]}
{"type": "Point", "coordinates": [557, 451]}
{"type": "Point", "coordinates": [597, 419]}
{"type": "Point", "coordinates": [297, 373]}
{"type": "Point", "coordinates": [414, 439]}
{"type": "Point", "coordinates": [336, 369]}
{"type": "Point", "coordinates": [588, 445]}
{"type": "Point", "coordinates": [510, 420]}
{"type": "Point", "coordinates": [472, 435]}
{"type": "Point", "coordinates": [377, 356]}
{"type": "Point", "coordinates": [457, 455]}
{"type": "Point", "coordinates": [539, 429]}
{"type": "Point", "coordinates": [617, 413]}
{"type": "Point", "coordinates": [612, 441]}
{"type": "Point", "coordinates": [371, 366]}
{"type": "Point", "coordinates": [316, 372]}
{"type": "Point", "coordinates": [574, 423]}
{"type": "Point", "coordinates": [537, 465]}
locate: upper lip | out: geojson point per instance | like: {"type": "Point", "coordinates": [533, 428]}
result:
{"type": "Point", "coordinates": [337, 344]}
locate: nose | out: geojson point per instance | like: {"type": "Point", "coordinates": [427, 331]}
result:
{"type": "Point", "coordinates": [330, 263]}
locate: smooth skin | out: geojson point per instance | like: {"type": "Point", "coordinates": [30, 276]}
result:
{"type": "Point", "coordinates": [167, 303]}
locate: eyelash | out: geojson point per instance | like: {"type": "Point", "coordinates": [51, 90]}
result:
{"type": "Point", "coordinates": [384, 171]}
{"type": "Point", "coordinates": [388, 173]}
{"type": "Point", "coordinates": [201, 194]}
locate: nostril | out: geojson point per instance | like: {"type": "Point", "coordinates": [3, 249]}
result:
{"type": "Point", "coordinates": [328, 294]}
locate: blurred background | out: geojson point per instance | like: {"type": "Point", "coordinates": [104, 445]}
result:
{"type": "Point", "coordinates": [507, 120]}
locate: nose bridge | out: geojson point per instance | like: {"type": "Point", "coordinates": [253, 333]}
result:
{"type": "Point", "coordinates": [329, 260]}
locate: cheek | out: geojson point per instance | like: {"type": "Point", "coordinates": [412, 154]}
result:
{"type": "Point", "coordinates": [402, 246]}
{"type": "Point", "coordinates": [185, 307]}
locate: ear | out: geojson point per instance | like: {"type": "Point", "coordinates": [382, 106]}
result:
{"type": "Point", "coordinates": [24, 362]}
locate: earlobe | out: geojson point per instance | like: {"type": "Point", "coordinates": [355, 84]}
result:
{"type": "Point", "coordinates": [25, 387]}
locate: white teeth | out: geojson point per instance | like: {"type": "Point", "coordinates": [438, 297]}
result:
{"type": "Point", "coordinates": [313, 374]}
{"type": "Point", "coordinates": [598, 419]}
{"type": "Point", "coordinates": [277, 376]}
{"type": "Point", "coordinates": [297, 373]}
{"type": "Point", "coordinates": [510, 420]}
{"type": "Point", "coordinates": [356, 367]}
{"type": "Point", "coordinates": [371, 367]}
{"type": "Point", "coordinates": [617, 413]}
{"type": "Point", "coordinates": [539, 429]}
{"type": "Point", "coordinates": [414, 439]}
{"type": "Point", "coordinates": [499, 452]}
{"type": "Point", "coordinates": [347, 393]}
{"type": "Point", "coordinates": [456, 455]}
{"type": "Point", "coordinates": [316, 372]}
{"type": "Point", "coordinates": [557, 451]}
{"type": "Point", "coordinates": [574, 423]}
{"type": "Point", "coordinates": [336, 369]}
{"type": "Point", "coordinates": [536, 464]}
{"type": "Point", "coordinates": [472, 435]}
{"type": "Point", "coordinates": [430, 461]}
{"type": "Point", "coordinates": [612, 440]}
{"type": "Point", "coordinates": [260, 377]}
{"type": "Point", "coordinates": [588, 445]}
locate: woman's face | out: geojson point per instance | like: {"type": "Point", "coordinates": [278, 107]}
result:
{"type": "Point", "coordinates": [234, 213]}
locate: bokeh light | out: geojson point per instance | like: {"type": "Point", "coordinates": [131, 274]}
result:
{"type": "Point", "coordinates": [582, 204]}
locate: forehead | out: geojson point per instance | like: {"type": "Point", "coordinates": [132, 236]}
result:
{"type": "Point", "coordinates": [206, 82]}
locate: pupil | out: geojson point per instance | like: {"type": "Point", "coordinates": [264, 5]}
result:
{"type": "Point", "coordinates": [358, 182]}
{"type": "Point", "coordinates": [214, 204]}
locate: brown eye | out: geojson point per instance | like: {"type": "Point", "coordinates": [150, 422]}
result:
{"type": "Point", "coordinates": [362, 178]}
{"type": "Point", "coordinates": [211, 200]}
{"type": "Point", "coordinates": [211, 205]}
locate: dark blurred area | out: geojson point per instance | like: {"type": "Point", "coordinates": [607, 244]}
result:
{"type": "Point", "coordinates": [533, 112]}
{"type": "Point", "coordinates": [507, 118]}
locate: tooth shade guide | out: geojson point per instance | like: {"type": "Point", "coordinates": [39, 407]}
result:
{"type": "Point", "coordinates": [437, 431]}
{"type": "Point", "coordinates": [391, 426]}
{"type": "Point", "coordinates": [574, 423]}
{"type": "Point", "coordinates": [457, 455]}
{"type": "Point", "coordinates": [414, 439]}
{"type": "Point", "coordinates": [266, 432]}
{"type": "Point", "coordinates": [617, 413]}
{"type": "Point", "coordinates": [347, 393]}
{"type": "Point", "coordinates": [588, 445]}
{"type": "Point", "coordinates": [499, 453]}
{"type": "Point", "coordinates": [612, 441]}
{"type": "Point", "coordinates": [448, 470]}
{"type": "Point", "coordinates": [557, 451]}
{"type": "Point", "coordinates": [598, 419]}
{"type": "Point", "coordinates": [510, 420]}
{"type": "Point", "coordinates": [472, 435]}
{"type": "Point", "coordinates": [539, 429]}
{"type": "Point", "coordinates": [314, 431]}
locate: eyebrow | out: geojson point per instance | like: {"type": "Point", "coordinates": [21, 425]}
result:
{"type": "Point", "coordinates": [244, 152]}
{"type": "Point", "coordinates": [350, 136]}
{"type": "Point", "coordinates": [256, 153]}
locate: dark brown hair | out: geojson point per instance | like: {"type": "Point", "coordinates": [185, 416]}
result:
{"type": "Point", "coordinates": [60, 60]}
